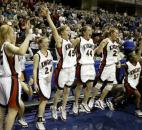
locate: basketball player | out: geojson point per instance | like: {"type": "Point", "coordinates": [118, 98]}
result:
{"type": "Point", "coordinates": [42, 75]}
{"type": "Point", "coordinates": [9, 84]}
{"type": "Point", "coordinates": [85, 68]}
{"type": "Point", "coordinates": [131, 79]}
{"type": "Point", "coordinates": [65, 71]}
{"type": "Point", "coordinates": [25, 88]}
{"type": "Point", "coordinates": [110, 50]}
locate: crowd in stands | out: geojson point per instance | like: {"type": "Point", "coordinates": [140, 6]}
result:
{"type": "Point", "coordinates": [16, 14]}
{"type": "Point", "coordinates": [99, 26]}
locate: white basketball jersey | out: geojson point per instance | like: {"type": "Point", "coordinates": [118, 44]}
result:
{"type": "Point", "coordinates": [111, 52]}
{"type": "Point", "coordinates": [87, 51]}
{"type": "Point", "coordinates": [45, 67]}
{"type": "Point", "coordinates": [68, 54]}
{"type": "Point", "coordinates": [9, 66]}
{"type": "Point", "coordinates": [133, 74]}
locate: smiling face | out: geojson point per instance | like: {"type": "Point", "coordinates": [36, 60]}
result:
{"type": "Point", "coordinates": [133, 57]}
{"type": "Point", "coordinates": [43, 43]}
{"type": "Point", "coordinates": [65, 32]}
{"type": "Point", "coordinates": [114, 34]}
{"type": "Point", "coordinates": [87, 32]}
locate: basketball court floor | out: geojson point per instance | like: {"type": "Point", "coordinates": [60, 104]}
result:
{"type": "Point", "coordinates": [122, 119]}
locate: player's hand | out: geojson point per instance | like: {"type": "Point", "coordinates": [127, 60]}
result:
{"type": "Point", "coordinates": [106, 40]}
{"type": "Point", "coordinates": [36, 87]}
{"type": "Point", "coordinates": [43, 11]}
{"type": "Point", "coordinates": [118, 65]}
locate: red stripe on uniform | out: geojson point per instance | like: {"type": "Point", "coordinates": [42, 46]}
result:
{"type": "Point", "coordinates": [78, 67]}
{"type": "Point", "coordinates": [11, 62]}
{"type": "Point", "coordinates": [59, 66]}
{"type": "Point", "coordinates": [13, 100]}
{"type": "Point", "coordinates": [14, 94]}
{"type": "Point", "coordinates": [102, 65]}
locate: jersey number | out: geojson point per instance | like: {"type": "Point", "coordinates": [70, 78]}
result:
{"type": "Point", "coordinates": [114, 53]}
{"type": "Point", "coordinates": [89, 53]}
{"type": "Point", "coordinates": [71, 53]}
{"type": "Point", "coordinates": [47, 70]}
{"type": "Point", "coordinates": [136, 76]}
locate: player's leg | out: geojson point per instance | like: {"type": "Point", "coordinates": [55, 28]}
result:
{"type": "Point", "coordinates": [2, 117]}
{"type": "Point", "coordinates": [137, 102]}
{"type": "Point", "coordinates": [10, 118]}
{"type": "Point", "coordinates": [76, 95]}
{"type": "Point", "coordinates": [21, 120]}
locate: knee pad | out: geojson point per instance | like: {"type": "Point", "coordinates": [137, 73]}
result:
{"type": "Point", "coordinates": [109, 87]}
{"type": "Point", "coordinates": [98, 85]}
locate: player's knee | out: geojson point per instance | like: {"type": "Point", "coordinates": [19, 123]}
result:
{"type": "Point", "coordinates": [138, 95]}
{"type": "Point", "coordinates": [98, 85]}
{"type": "Point", "coordinates": [109, 87]}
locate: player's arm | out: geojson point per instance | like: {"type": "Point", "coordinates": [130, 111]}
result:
{"type": "Point", "coordinates": [75, 42]}
{"type": "Point", "coordinates": [26, 88]}
{"type": "Point", "coordinates": [139, 52]}
{"type": "Point", "coordinates": [12, 49]}
{"type": "Point", "coordinates": [56, 36]}
{"type": "Point", "coordinates": [119, 65]}
{"type": "Point", "coordinates": [35, 69]}
{"type": "Point", "coordinates": [100, 48]}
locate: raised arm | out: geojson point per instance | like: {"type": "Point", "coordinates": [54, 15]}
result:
{"type": "Point", "coordinates": [12, 49]}
{"type": "Point", "coordinates": [45, 12]}
{"type": "Point", "coordinates": [75, 42]}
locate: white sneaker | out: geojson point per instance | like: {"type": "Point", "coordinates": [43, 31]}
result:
{"type": "Point", "coordinates": [110, 105]}
{"type": "Point", "coordinates": [85, 106]}
{"type": "Point", "coordinates": [22, 122]}
{"type": "Point", "coordinates": [43, 120]}
{"type": "Point", "coordinates": [63, 114]}
{"type": "Point", "coordinates": [138, 113]}
{"type": "Point", "coordinates": [75, 109]}
{"type": "Point", "coordinates": [99, 104]}
{"type": "Point", "coordinates": [40, 126]}
{"type": "Point", "coordinates": [54, 112]}
{"type": "Point", "coordinates": [91, 103]}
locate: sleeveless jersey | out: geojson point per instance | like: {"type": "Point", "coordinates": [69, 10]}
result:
{"type": "Point", "coordinates": [133, 73]}
{"type": "Point", "coordinates": [111, 52]}
{"type": "Point", "coordinates": [9, 66]}
{"type": "Point", "coordinates": [67, 55]}
{"type": "Point", "coordinates": [86, 51]}
{"type": "Point", "coordinates": [45, 66]}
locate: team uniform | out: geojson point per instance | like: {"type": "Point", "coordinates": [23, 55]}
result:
{"type": "Point", "coordinates": [22, 61]}
{"type": "Point", "coordinates": [44, 75]}
{"type": "Point", "coordinates": [107, 70]}
{"type": "Point", "coordinates": [86, 70]}
{"type": "Point", "coordinates": [10, 88]}
{"type": "Point", "coordinates": [65, 71]}
{"type": "Point", "coordinates": [132, 77]}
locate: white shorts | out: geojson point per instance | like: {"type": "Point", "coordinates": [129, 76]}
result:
{"type": "Point", "coordinates": [88, 73]}
{"type": "Point", "coordinates": [45, 88]}
{"type": "Point", "coordinates": [109, 73]}
{"type": "Point", "coordinates": [10, 92]}
{"type": "Point", "coordinates": [66, 77]}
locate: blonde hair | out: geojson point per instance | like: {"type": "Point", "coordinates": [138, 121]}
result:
{"type": "Point", "coordinates": [40, 40]}
{"type": "Point", "coordinates": [111, 30]}
{"type": "Point", "coordinates": [5, 32]}
{"type": "Point", "coordinates": [62, 28]}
